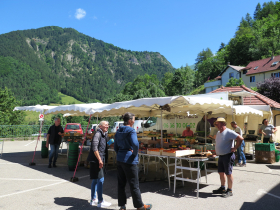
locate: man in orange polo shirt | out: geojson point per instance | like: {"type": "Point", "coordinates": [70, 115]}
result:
{"type": "Point", "coordinates": [188, 131]}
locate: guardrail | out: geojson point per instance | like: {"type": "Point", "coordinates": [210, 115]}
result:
{"type": "Point", "coordinates": [14, 131]}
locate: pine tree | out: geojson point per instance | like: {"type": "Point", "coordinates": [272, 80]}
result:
{"type": "Point", "coordinates": [257, 11]}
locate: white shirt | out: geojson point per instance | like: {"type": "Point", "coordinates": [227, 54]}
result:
{"type": "Point", "coordinates": [238, 130]}
{"type": "Point", "coordinates": [225, 141]}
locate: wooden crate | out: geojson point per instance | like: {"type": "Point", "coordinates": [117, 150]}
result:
{"type": "Point", "coordinates": [151, 152]}
{"type": "Point", "coordinates": [179, 153]}
{"type": "Point", "coordinates": [265, 156]}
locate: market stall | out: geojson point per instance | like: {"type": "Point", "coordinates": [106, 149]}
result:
{"type": "Point", "coordinates": [38, 108]}
{"type": "Point", "coordinates": [75, 110]}
{"type": "Point", "coordinates": [169, 145]}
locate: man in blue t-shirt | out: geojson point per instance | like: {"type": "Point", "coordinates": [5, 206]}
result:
{"type": "Point", "coordinates": [225, 150]}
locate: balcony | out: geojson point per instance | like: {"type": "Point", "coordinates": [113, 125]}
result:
{"type": "Point", "coordinates": [213, 84]}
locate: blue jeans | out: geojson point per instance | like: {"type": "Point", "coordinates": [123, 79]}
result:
{"type": "Point", "coordinates": [53, 153]}
{"type": "Point", "coordinates": [97, 185]}
{"type": "Point", "coordinates": [240, 152]}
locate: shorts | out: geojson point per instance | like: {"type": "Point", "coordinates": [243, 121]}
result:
{"type": "Point", "coordinates": [225, 163]}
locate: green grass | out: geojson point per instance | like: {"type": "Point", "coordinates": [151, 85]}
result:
{"type": "Point", "coordinates": [34, 116]}
{"type": "Point", "coordinates": [65, 100]}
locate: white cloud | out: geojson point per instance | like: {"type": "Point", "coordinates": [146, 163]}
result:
{"type": "Point", "coordinates": [80, 13]}
{"type": "Point", "coordinates": [94, 17]}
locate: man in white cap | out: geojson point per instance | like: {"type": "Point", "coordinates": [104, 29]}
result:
{"type": "Point", "coordinates": [225, 150]}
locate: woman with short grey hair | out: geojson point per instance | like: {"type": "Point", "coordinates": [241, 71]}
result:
{"type": "Point", "coordinates": [96, 157]}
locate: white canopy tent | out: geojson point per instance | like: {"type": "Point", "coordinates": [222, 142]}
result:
{"type": "Point", "coordinates": [147, 107]}
{"type": "Point", "coordinates": [246, 110]}
{"type": "Point", "coordinates": [37, 108]}
{"type": "Point", "coordinates": [75, 109]}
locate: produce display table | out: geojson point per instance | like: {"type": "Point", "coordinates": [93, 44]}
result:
{"type": "Point", "coordinates": [73, 137]}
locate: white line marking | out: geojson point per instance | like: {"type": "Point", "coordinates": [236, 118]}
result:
{"type": "Point", "coordinates": [2, 196]}
{"type": "Point", "coordinates": [88, 175]}
{"type": "Point", "coordinates": [83, 177]}
{"type": "Point", "coordinates": [8, 163]}
{"type": "Point", "coordinates": [15, 179]}
{"type": "Point", "coordinates": [261, 191]}
{"type": "Point", "coordinates": [29, 143]}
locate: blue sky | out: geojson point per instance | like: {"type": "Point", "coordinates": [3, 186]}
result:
{"type": "Point", "coordinates": [178, 29]}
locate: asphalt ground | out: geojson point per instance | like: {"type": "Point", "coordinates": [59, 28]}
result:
{"type": "Point", "coordinates": [256, 186]}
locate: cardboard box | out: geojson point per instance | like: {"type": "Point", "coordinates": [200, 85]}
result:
{"type": "Point", "coordinates": [265, 156]}
{"type": "Point", "coordinates": [179, 153]}
{"type": "Point", "coordinates": [154, 151]}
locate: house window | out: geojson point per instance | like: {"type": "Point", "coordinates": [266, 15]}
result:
{"type": "Point", "coordinates": [231, 75]}
{"type": "Point", "coordinates": [256, 67]}
{"type": "Point", "coordinates": [275, 74]}
{"type": "Point", "coordinates": [273, 64]}
{"type": "Point", "coordinates": [245, 71]}
{"type": "Point", "coordinates": [252, 79]}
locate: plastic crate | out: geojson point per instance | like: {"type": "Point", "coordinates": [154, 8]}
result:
{"type": "Point", "coordinates": [277, 155]}
{"type": "Point", "coordinates": [198, 148]}
{"type": "Point", "coordinates": [210, 148]}
{"type": "Point", "coordinates": [265, 156]}
{"type": "Point", "coordinates": [265, 147]}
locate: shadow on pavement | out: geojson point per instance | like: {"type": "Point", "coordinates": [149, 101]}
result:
{"type": "Point", "coordinates": [269, 200]}
{"type": "Point", "coordinates": [273, 167]}
{"type": "Point", "coordinates": [74, 203]}
{"type": "Point", "coordinates": [110, 183]}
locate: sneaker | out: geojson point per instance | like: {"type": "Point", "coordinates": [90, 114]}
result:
{"type": "Point", "coordinates": [49, 166]}
{"type": "Point", "coordinates": [227, 194]}
{"type": "Point", "coordinates": [93, 202]}
{"type": "Point", "coordinates": [103, 204]}
{"type": "Point", "coordinates": [221, 190]}
{"type": "Point", "coordinates": [243, 165]}
{"type": "Point", "coordinates": [54, 165]}
{"type": "Point", "coordinates": [145, 207]}
{"type": "Point", "coordinates": [122, 208]}
{"type": "Point", "coordinates": [238, 164]}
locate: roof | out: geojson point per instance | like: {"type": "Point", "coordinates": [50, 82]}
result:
{"type": "Point", "coordinates": [257, 99]}
{"type": "Point", "coordinates": [237, 68]}
{"type": "Point", "coordinates": [264, 65]}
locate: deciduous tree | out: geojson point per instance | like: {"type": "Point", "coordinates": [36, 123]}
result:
{"type": "Point", "coordinates": [270, 88]}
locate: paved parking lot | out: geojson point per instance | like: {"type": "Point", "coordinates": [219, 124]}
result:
{"type": "Point", "coordinates": [256, 186]}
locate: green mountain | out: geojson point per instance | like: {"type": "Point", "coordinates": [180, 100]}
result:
{"type": "Point", "coordinates": [36, 64]}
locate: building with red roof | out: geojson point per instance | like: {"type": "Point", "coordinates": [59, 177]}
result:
{"type": "Point", "coordinates": [242, 95]}
{"type": "Point", "coordinates": [258, 71]}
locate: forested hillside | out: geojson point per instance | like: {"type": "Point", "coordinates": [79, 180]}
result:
{"type": "Point", "coordinates": [37, 64]}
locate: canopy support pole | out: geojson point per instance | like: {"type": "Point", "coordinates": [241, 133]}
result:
{"type": "Point", "coordinates": [175, 125]}
{"type": "Point", "coordinates": [161, 129]}
{"type": "Point", "coordinates": [205, 125]}
{"type": "Point", "coordinates": [75, 179]}
{"type": "Point", "coordinates": [32, 162]}
{"type": "Point", "coordinates": [97, 119]}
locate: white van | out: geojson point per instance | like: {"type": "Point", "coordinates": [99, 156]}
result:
{"type": "Point", "coordinates": [137, 125]}
{"type": "Point", "coordinates": [92, 128]}
{"type": "Point", "coordinates": [116, 126]}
